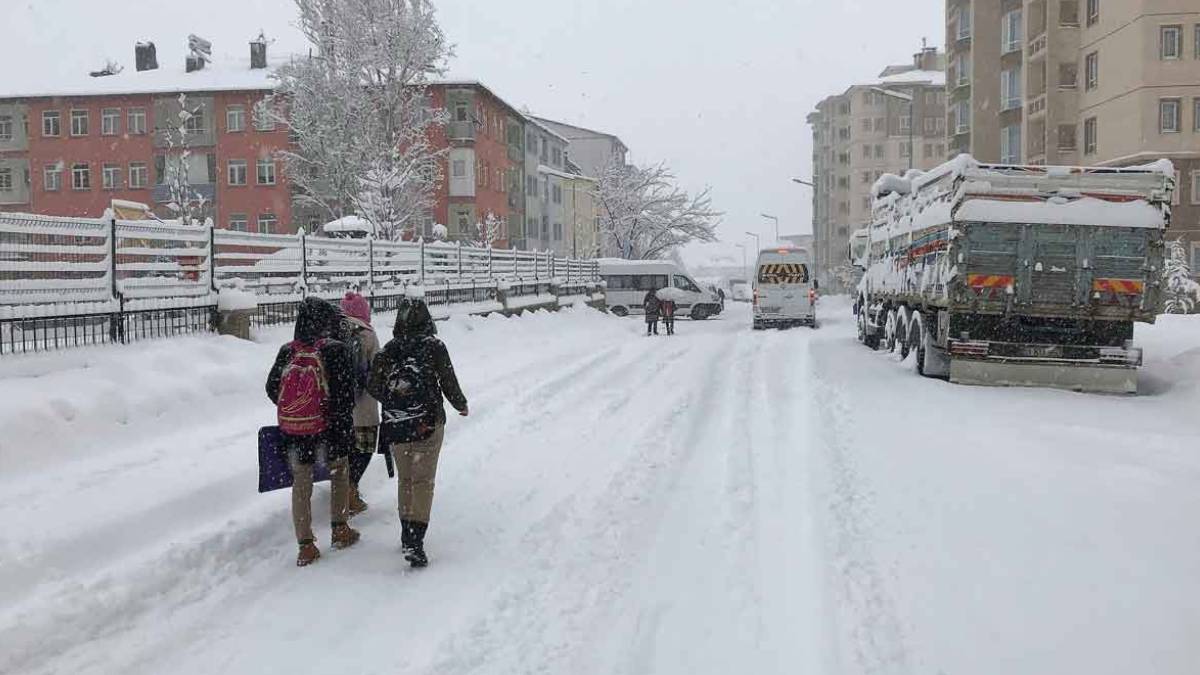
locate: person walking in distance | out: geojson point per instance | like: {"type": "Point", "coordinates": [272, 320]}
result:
{"type": "Point", "coordinates": [409, 377]}
{"type": "Point", "coordinates": [363, 345]}
{"type": "Point", "coordinates": [667, 306]}
{"type": "Point", "coordinates": [652, 306]}
{"type": "Point", "coordinates": [312, 385]}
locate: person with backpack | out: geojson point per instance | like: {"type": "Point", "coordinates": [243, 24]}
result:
{"type": "Point", "coordinates": [409, 377]}
{"type": "Point", "coordinates": [312, 385]}
{"type": "Point", "coordinates": [364, 345]}
{"type": "Point", "coordinates": [651, 306]}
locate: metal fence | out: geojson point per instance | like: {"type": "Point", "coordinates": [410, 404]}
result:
{"type": "Point", "coordinates": [67, 282]}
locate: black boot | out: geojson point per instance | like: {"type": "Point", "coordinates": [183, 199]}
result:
{"type": "Point", "coordinates": [414, 547]}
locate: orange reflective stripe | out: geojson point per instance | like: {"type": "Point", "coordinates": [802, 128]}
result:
{"type": "Point", "coordinates": [989, 280]}
{"type": "Point", "coordinates": [1119, 286]}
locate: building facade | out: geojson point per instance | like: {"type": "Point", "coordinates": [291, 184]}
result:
{"type": "Point", "coordinates": [1080, 82]}
{"type": "Point", "coordinates": [72, 151]}
{"type": "Point", "coordinates": [869, 130]}
{"type": "Point", "coordinates": [591, 150]}
{"type": "Point", "coordinates": [545, 174]}
{"type": "Point", "coordinates": [581, 213]}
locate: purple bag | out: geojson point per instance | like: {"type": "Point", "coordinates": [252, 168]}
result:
{"type": "Point", "coordinates": [274, 472]}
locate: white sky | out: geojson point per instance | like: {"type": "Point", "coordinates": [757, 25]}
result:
{"type": "Point", "coordinates": [719, 90]}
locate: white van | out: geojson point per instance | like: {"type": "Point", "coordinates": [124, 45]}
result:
{"type": "Point", "coordinates": [628, 280]}
{"type": "Point", "coordinates": [785, 293]}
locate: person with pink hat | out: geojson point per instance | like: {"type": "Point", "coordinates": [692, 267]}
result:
{"type": "Point", "coordinates": [363, 344]}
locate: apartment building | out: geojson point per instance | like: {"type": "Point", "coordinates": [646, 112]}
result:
{"type": "Point", "coordinates": [1092, 82]}
{"type": "Point", "coordinates": [581, 213]}
{"type": "Point", "coordinates": [591, 150]}
{"type": "Point", "coordinates": [74, 146]}
{"type": "Point", "coordinates": [545, 178]}
{"type": "Point", "coordinates": [887, 126]}
{"type": "Point", "coordinates": [484, 168]}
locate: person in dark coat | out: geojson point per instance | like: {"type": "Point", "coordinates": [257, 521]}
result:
{"type": "Point", "coordinates": [652, 306]}
{"type": "Point", "coordinates": [409, 378]}
{"type": "Point", "coordinates": [317, 322]}
{"type": "Point", "coordinates": [667, 306]}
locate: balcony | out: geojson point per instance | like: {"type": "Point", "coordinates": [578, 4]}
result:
{"type": "Point", "coordinates": [1037, 47]}
{"type": "Point", "coordinates": [461, 131]}
{"type": "Point", "coordinates": [1037, 106]}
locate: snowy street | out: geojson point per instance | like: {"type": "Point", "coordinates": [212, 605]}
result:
{"type": "Point", "coordinates": [721, 501]}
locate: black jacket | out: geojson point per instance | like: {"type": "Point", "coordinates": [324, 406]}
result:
{"type": "Point", "coordinates": [651, 305]}
{"type": "Point", "coordinates": [316, 320]}
{"type": "Point", "coordinates": [415, 354]}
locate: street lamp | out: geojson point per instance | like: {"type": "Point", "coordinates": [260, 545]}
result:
{"type": "Point", "coordinates": [911, 100]}
{"type": "Point", "coordinates": [804, 182]}
{"type": "Point", "coordinates": [757, 241]}
{"type": "Point", "coordinates": [770, 217]}
{"type": "Point", "coordinates": [745, 270]}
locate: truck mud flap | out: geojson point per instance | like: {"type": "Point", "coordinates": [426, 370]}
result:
{"type": "Point", "coordinates": [1083, 378]}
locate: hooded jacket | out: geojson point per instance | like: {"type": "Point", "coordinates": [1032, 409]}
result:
{"type": "Point", "coordinates": [318, 320]}
{"type": "Point", "coordinates": [414, 351]}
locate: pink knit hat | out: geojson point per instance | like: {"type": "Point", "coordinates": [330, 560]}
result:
{"type": "Point", "coordinates": [356, 306]}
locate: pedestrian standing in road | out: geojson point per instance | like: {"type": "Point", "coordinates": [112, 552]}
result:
{"type": "Point", "coordinates": [409, 377]}
{"type": "Point", "coordinates": [667, 306]}
{"type": "Point", "coordinates": [721, 295]}
{"type": "Point", "coordinates": [651, 306]}
{"type": "Point", "coordinates": [363, 345]}
{"type": "Point", "coordinates": [312, 385]}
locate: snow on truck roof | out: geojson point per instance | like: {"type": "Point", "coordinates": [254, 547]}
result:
{"type": "Point", "coordinates": [966, 190]}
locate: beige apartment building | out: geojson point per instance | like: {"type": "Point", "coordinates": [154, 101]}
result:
{"type": "Point", "coordinates": [1079, 82]}
{"type": "Point", "coordinates": [864, 132]}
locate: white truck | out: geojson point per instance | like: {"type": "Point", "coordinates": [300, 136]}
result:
{"type": "Point", "coordinates": [1017, 275]}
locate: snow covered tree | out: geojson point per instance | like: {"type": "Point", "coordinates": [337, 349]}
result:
{"type": "Point", "coordinates": [187, 204]}
{"type": "Point", "coordinates": [360, 111]}
{"type": "Point", "coordinates": [488, 232]}
{"type": "Point", "coordinates": [644, 215]}
{"type": "Point", "coordinates": [1181, 291]}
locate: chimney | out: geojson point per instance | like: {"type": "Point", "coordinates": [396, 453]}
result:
{"type": "Point", "coordinates": [258, 52]}
{"type": "Point", "coordinates": [200, 53]}
{"type": "Point", "coordinates": [927, 59]}
{"type": "Point", "coordinates": [145, 56]}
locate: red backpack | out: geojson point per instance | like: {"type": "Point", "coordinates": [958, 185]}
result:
{"type": "Point", "coordinates": [304, 392]}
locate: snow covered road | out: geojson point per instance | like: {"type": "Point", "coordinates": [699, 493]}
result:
{"type": "Point", "coordinates": [722, 501]}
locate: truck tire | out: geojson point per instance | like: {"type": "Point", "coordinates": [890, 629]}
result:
{"type": "Point", "coordinates": [890, 331]}
{"type": "Point", "coordinates": [905, 325]}
{"type": "Point", "coordinates": [870, 341]}
{"type": "Point", "coordinates": [916, 342]}
{"type": "Point", "coordinates": [699, 313]}
{"type": "Point", "coordinates": [620, 311]}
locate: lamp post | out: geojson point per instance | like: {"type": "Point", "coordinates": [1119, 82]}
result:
{"type": "Point", "coordinates": [757, 241]}
{"type": "Point", "coordinates": [745, 271]}
{"type": "Point", "coordinates": [770, 217]}
{"type": "Point", "coordinates": [912, 123]}
{"type": "Point", "coordinates": [804, 182]}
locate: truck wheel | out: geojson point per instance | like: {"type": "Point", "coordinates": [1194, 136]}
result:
{"type": "Point", "coordinates": [890, 331]}
{"type": "Point", "coordinates": [917, 342]}
{"type": "Point", "coordinates": [620, 311]}
{"type": "Point", "coordinates": [699, 313]}
{"type": "Point", "coordinates": [871, 341]}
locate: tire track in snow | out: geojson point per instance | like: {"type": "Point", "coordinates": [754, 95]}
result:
{"type": "Point", "coordinates": [873, 632]}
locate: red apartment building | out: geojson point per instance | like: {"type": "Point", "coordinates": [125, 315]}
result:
{"type": "Point", "coordinates": [70, 149]}
{"type": "Point", "coordinates": [75, 146]}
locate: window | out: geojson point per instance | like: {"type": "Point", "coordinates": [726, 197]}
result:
{"type": "Point", "coordinates": [1010, 88]}
{"type": "Point", "coordinates": [558, 232]}
{"type": "Point", "coordinates": [546, 189]}
{"type": "Point", "coordinates": [138, 175]}
{"type": "Point", "coordinates": [941, 150]}
{"type": "Point", "coordinates": [1177, 195]}
{"type": "Point", "coordinates": [235, 118]}
{"type": "Point", "coordinates": [110, 121]}
{"type": "Point", "coordinates": [866, 124]}
{"type": "Point", "coordinates": [1067, 140]}
{"type": "Point", "coordinates": [545, 227]}
{"type": "Point", "coordinates": [964, 23]}
{"type": "Point", "coordinates": [137, 121]}
{"type": "Point", "coordinates": [1090, 133]}
{"type": "Point", "coordinates": [962, 65]}
{"type": "Point", "coordinates": [932, 97]}
{"type": "Point", "coordinates": [263, 121]}
{"type": "Point", "coordinates": [79, 122]}
{"type": "Point", "coordinates": [905, 124]}
{"type": "Point", "coordinates": [844, 108]}
{"type": "Point", "coordinates": [110, 176]}
{"type": "Point", "coordinates": [1196, 114]}
{"type": "Point", "coordinates": [843, 182]}
{"type": "Point", "coordinates": [545, 154]}
{"type": "Point", "coordinates": [52, 177]}
{"type": "Point", "coordinates": [928, 150]}
{"type": "Point", "coordinates": [1093, 12]}
{"type": "Point", "coordinates": [51, 123]}
{"type": "Point", "coordinates": [194, 123]}
{"type": "Point", "coordinates": [1010, 144]}
{"type": "Point", "coordinates": [866, 152]}
{"type": "Point", "coordinates": [1010, 32]}
{"type": "Point", "coordinates": [879, 151]}
{"type": "Point", "coordinates": [866, 178]}
{"type": "Point", "coordinates": [236, 172]}
{"type": "Point", "coordinates": [866, 203]}
{"type": "Point", "coordinates": [1196, 187]}
{"type": "Point", "coordinates": [880, 124]}
{"type": "Point", "coordinates": [557, 157]}
{"type": "Point", "coordinates": [160, 170]}
{"type": "Point", "coordinates": [1170, 42]}
{"type": "Point", "coordinates": [459, 168]}
{"type": "Point", "coordinates": [905, 149]}
{"type": "Point", "coordinates": [1068, 75]}
{"type": "Point", "coordinates": [6, 128]}
{"type": "Point", "coordinates": [557, 194]}
{"type": "Point", "coordinates": [1068, 13]}
{"type": "Point", "coordinates": [1168, 115]}
{"type": "Point", "coordinates": [531, 144]}
{"type": "Point", "coordinates": [1091, 71]}
{"type": "Point", "coordinates": [81, 177]}
{"type": "Point", "coordinates": [266, 223]}
{"type": "Point", "coordinates": [238, 222]}
{"type": "Point", "coordinates": [6, 181]}
{"type": "Point", "coordinates": [962, 117]}
{"type": "Point", "coordinates": [266, 172]}
{"type": "Point", "coordinates": [1196, 41]}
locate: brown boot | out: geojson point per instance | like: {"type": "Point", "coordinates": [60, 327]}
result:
{"type": "Point", "coordinates": [308, 554]}
{"type": "Point", "coordinates": [344, 536]}
{"type": "Point", "coordinates": [357, 505]}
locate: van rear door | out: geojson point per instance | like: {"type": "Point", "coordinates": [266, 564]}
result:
{"type": "Point", "coordinates": [783, 288]}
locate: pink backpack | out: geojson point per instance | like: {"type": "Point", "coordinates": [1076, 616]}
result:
{"type": "Point", "coordinates": [303, 392]}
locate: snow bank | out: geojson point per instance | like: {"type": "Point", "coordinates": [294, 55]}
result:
{"type": "Point", "coordinates": [236, 299]}
{"type": "Point", "coordinates": [1061, 210]}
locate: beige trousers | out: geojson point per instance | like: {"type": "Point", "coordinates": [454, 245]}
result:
{"type": "Point", "coordinates": [302, 488]}
{"type": "Point", "coordinates": [416, 465]}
